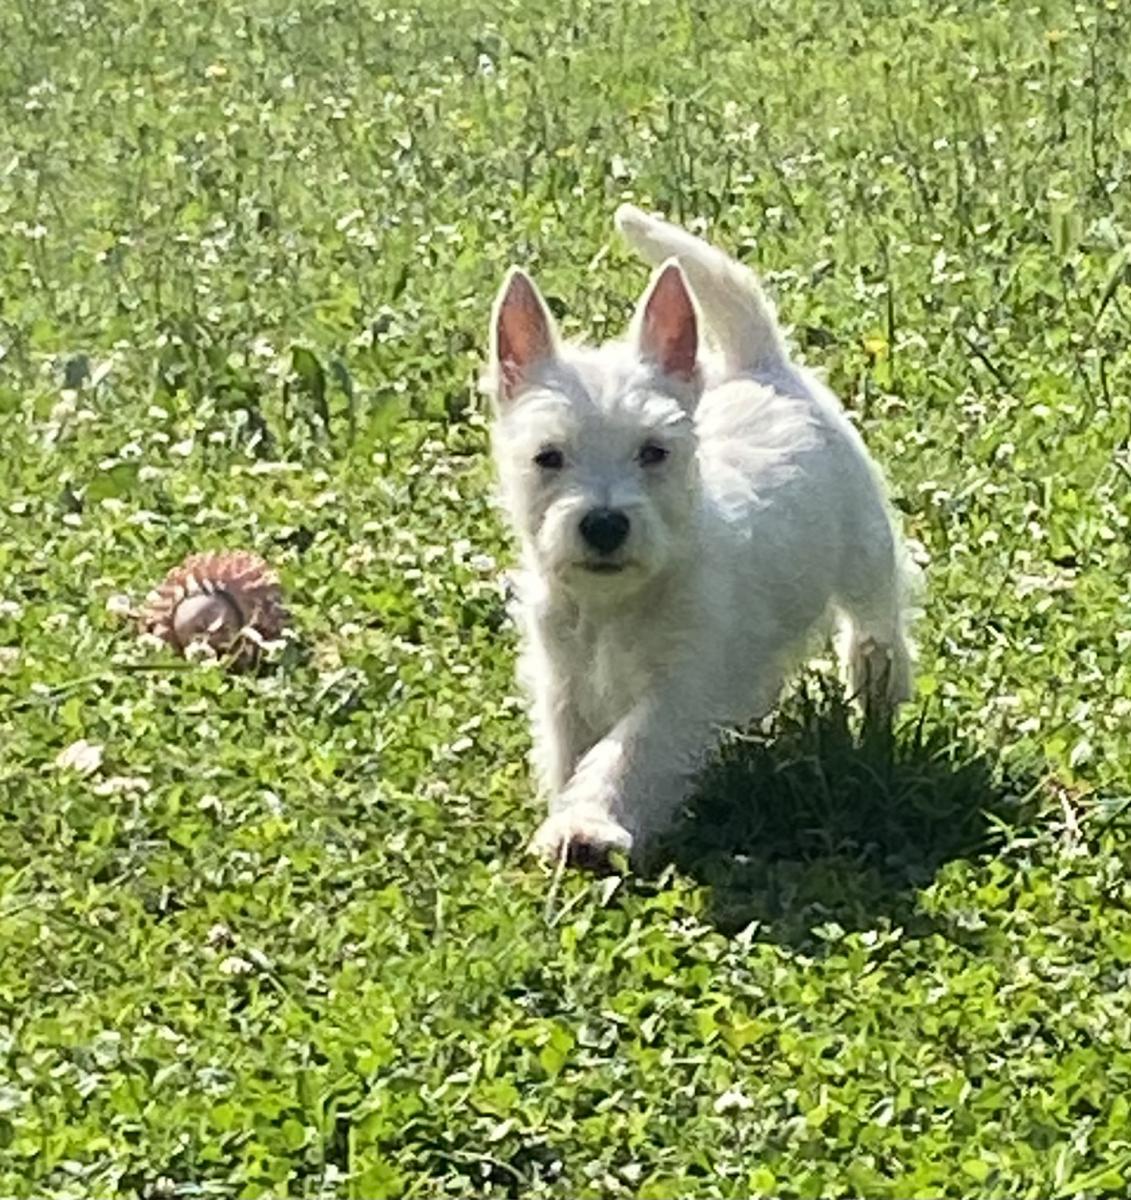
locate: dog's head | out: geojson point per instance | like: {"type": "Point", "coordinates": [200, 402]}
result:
{"type": "Point", "coordinates": [596, 447]}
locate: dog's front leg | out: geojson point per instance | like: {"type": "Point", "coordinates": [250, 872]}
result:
{"type": "Point", "coordinates": [632, 782]}
{"type": "Point", "coordinates": [560, 736]}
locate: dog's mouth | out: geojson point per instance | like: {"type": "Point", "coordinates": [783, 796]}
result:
{"type": "Point", "coordinates": [603, 568]}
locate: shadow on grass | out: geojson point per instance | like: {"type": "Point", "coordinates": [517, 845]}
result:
{"type": "Point", "coordinates": [823, 819]}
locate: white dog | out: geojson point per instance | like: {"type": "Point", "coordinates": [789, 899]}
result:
{"type": "Point", "coordinates": [686, 520]}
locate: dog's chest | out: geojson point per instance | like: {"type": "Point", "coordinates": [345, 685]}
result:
{"type": "Point", "coordinates": [608, 674]}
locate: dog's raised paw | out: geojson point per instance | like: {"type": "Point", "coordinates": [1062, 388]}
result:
{"type": "Point", "coordinates": [587, 838]}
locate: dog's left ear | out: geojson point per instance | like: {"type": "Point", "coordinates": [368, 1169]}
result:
{"type": "Point", "coordinates": [666, 329]}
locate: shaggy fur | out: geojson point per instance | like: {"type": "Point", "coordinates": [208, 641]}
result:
{"type": "Point", "coordinates": [687, 518]}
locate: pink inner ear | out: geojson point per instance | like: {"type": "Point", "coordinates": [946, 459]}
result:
{"type": "Point", "coordinates": [522, 331]}
{"type": "Point", "coordinates": [669, 333]}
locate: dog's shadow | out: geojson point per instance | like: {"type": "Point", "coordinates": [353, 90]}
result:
{"type": "Point", "coordinates": [825, 820]}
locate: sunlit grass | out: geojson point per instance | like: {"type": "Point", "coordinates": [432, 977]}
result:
{"type": "Point", "coordinates": [274, 933]}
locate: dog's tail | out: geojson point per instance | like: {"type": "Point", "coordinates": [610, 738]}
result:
{"type": "Point", "coordinates": [731, 298]}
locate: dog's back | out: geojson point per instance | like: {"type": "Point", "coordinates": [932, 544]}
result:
{"type": "Point", "coordinates": [779, 454]}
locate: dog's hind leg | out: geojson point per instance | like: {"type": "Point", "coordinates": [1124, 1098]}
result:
{"type": "Point", "coordinates": [873, 608]}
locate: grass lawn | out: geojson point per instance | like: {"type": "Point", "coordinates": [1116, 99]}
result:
{"type": "Point", "coordinates": [274, 934]}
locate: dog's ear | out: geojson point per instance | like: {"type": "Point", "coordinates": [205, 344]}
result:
{"type": "Point", "coordinates": [522, 332]}
{"type": "Point", "coordinates": [665, 325]}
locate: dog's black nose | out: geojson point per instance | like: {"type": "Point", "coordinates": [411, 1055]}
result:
{"type": "Point", "coordinates": [604, 529]}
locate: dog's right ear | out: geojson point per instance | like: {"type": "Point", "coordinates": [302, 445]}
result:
{"type": "Point", "coordinates": [522, 333]}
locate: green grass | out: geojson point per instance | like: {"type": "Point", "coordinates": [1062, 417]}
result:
{"type": "Point", "coordinates": [302, 953]}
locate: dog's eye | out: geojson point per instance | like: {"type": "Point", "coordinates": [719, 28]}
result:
{"type": "Point", "coordinates": [550, 459]}
{"type": "Point", "coordinates": [651, 454]}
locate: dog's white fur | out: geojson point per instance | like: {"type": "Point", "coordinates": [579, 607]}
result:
{"type": "Point", "coordinates": [765, 514]}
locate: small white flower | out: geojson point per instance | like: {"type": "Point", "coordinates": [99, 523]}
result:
{"type": "Point", "coordinates": [210, 804]}
{"type": "Point", "coordinates": [118, 605]}
{"type": "Point", "coordinates": [81, 756]}
{"type": "Point", "coordinates": [220, 935]}
{"type": "Point", "coordinates": [259, 959]}
{"type": "Point", "coordinates": [12, 1099]}
{"type": "Point", "coordinates": [234, 965]}
{"type": "Point", "coordinates": [733, 1100]}
{"type": "Point", "coordinates": [199, 651]}
{"type": "Point", "coordinates": [117, 784]}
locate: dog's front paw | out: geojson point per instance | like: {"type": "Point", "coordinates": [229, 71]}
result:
{"type": "Point", "coordinates": [587, 836]}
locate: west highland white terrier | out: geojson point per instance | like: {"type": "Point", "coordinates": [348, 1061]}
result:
{"type": "Point", "coordinates": [687, 518]}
